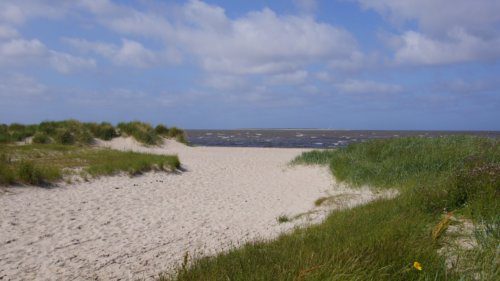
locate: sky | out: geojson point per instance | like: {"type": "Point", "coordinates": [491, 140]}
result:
{"type": "Point", "coordinates": [222, 64]}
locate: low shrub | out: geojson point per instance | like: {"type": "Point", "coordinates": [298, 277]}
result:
{"type": "Point", "coordinates": [142, 132]}
{"type": "Point", "coordinates": [103, 131]}
{"type": "Point", "coordinates": [177, 134]}
{"type": "Point", "coordinates": [84, 137]}
{"type": "Point", "coordinates": [5, 137]}
{"type": "Point", "coordinates": [7, 175]}
{"type": "Point", "coordinates": [41, 138]}
{"type": "Point", "coordinates": [48, 127]}
{"type": "Point", "coordinates": [161, 130]}
{"type": "Point", "coordinates": [106, 131]}
{"type": "Point", "coordinates": [29, 173]}
{"type": "Point", "coordinates": [64, 136]}
{"type": "Point", "coordinates": [181, 138]}
{"type": "Point", "coordinates": [174, 132]}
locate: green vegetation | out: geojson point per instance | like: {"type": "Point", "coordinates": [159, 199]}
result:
{"type": "Point", "coordinates": [142, 132]}
{"type": "Point", "coordinates": [283, 219]}
{"type": "Point", "coordinates": [103, 131]}
{"type": "Point", "coordinates": [41, 138]}
{"type": "Point", "coordinates": [43, 164]}
{"type": "Point", "coordinates": [71, 132]}
{"type": "Point", "coordinates": [382, 239]}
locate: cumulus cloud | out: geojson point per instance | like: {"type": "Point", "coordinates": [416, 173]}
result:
{"type": "Point", "coordinates": [417, 48]}
{"type": "Point", "coordinates": [66, 63]}
{"type": "Point", "coordinates": [261, 42]}
{"type": "Point", "coordinates": [19, 11]}
{"type": "Point", "coordinates": [130, 53]}
{"type": "Point", "coordinates": [19, 51]}
{"type": "Point", "coordinates": [441, 16]}
{"type": "Point", "coordinates": [127, 20]}
{"type": "Point", "coordinates": [133, 53]}
{"type": "Point", "coordinates": [7, 32]}
{"type": "Point", "coordinates": [258, 42]}
{"type": "Point", "coordinates": [450, 31]}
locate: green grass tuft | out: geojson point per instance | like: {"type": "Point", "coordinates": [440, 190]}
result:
{"type": "Point", "coordinates": [29, 173]}
{"type": "Point", "coordinates": [71, 132]}
{"type": "Point", "coordinates": [43, 164]}
{"type": "Point", "coordinates": [283, 219]}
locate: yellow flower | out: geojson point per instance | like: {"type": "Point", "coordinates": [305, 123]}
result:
{"type": "Point", "coordinates": [417, 265]}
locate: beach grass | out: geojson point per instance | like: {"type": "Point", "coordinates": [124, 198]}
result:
{"type": "Point", "coordinates": [42, 164]}
{"type": "Point", "coordinates": [387, 239]}
{"type": "Point", "coordinates": [70, 132]}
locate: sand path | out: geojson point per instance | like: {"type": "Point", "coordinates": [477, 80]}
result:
{"type": "Point", "coordinates": [122, 228]}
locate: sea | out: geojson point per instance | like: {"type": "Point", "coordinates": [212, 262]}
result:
{"type": "Point", "coordinates": [309, 138]}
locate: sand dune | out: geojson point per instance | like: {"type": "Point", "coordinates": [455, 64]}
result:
{"type": "Point", "coordinates": [128, 228]}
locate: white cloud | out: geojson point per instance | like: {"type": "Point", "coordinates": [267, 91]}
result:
{"type": "Point", "coordinates": [291, 78]}
{"type": "Point", "coordinates": [440, 16]}
{"type": "Point", "coordinates": [130, 53]}
{"type": "Point", "coordinates": [417, 48]}
{"type": "Point", "coordinates": [225, 82]}
{"type": "Point", "coordinates": [7, 32]}
{"type": "Point", "coordinates": [66, 63]}
{"type": "Point", "coordinates": [11, 13]}
{"type": "Point", "coordinates": [20, 11]}
{"type": "Point", "coordinates": [256, 43]}
{"type": "Point", "coordinates": [450, 31]}
{"type": "Point", "coordinates": [133, 53]}
{"type": "Point", "coordinates": [260, 42]}
{"type": "Point", "coordinates": [206, 16]}
{"type": "Point", "coordinates": [19, 51]}
{"type": "Point", "coordinates": [127, 20]}
{"type": "Point", "coordinates": [367, 87]}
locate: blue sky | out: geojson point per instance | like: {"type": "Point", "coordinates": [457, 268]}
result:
{"type": "Point", "coordinates": [345, 64]}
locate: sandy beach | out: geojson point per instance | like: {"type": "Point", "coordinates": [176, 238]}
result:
{"type": "Point", "coordinates": [123, 228]}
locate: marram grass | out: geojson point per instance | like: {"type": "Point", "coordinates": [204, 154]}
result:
{"type": "Point", "coordinates": [71, 132]}
{"type": "Point", "coordinates": [39, 164]}
{"type": "Point", "coordinates": [388, 239]}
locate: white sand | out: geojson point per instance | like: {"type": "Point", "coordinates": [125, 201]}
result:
{"type": "Point", "coordinates": [122, 228]}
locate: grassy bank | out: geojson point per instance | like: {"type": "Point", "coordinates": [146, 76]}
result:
{"type": "Point", "coordinates": [70, 132]}
{"type": "Point", "coordinates": [383, 239]}
{"type": "Point", "coordinates": [39, 164]}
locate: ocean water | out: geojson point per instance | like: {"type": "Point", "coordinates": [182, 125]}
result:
{"type": "Point", "coordinates": [308, 138]}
